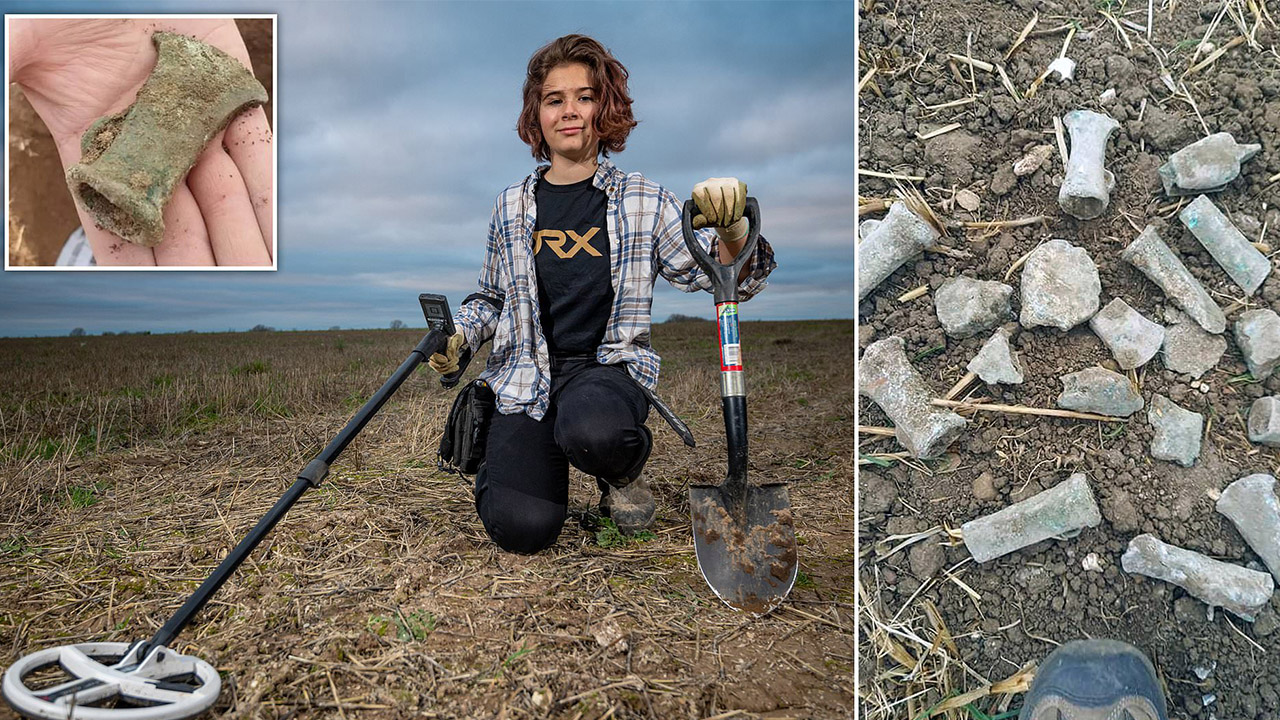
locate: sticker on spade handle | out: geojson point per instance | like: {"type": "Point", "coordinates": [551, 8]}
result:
{"type": "Point", "coordinates": [730, 344]}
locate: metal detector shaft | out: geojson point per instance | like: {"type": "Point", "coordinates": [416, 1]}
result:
{"type": "Point", "coordinates": [311, 476]}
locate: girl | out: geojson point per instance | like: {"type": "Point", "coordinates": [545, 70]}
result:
{"type": "Point", "coordinates": [565, 295]}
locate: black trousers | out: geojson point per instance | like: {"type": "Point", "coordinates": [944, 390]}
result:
{"type": "Point", "coordinates": [595, 422]}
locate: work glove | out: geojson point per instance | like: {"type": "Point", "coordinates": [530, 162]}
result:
{"type": "Point", "coordinates": [720, 204]}
{"type": "Point", "coordinates": [447, 362]}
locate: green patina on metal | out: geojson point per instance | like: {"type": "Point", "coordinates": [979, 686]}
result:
{"type": "Point", "coordinates": [132, 161]}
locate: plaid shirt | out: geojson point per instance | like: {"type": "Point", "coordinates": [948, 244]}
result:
{"type": "Point", "coordinates": [645, 240]}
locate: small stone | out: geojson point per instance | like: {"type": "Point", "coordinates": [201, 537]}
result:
{"type": "Point", "coordinates": [1249, 225]}
{"type": "Point", "coordinates": [866, 333]}
{"type": "Point", "coordinates": [1003, 181]}
{"type": "Point", "coordinates": [1177, 431]}
{"type": "Point", "coordinates": [1060, 286]}
{"type": "Point", "coordinates": [1108, 96]}
{"type": "Point", "coordinates": [1264, 421]}
{"type": "Point", "coordinates": [968, 200]}
{"type": "Point", "coordinates": [1258, 336]}
{"type": "Point", "coordinates": [1119, 510]}
{"type": "Point", "coordinates": [1097, 390]}
{"type": "Point", "coordinates": [1204, 670]}
{"type": "Point", "coordinates": [984, 487]}
{"type": "Point", "coordinates": [1266, 623]}
{"type": "Point", "coordinates": [1132, 339]}
{"type": "Point", "coordinates": [878, 492]}
{"type": "Point", "coordinates": [926, 559]}
{"type": "Point", "coordinates": [609, 635]}
{"type": "Point", "coordinates": [1091, 563]}
{"type": "Point", "coordinates": [1189, 350]}
{"type": "Point", "coordinates": [967, 307]}
{"type": "Point", "coordinates": [1032, 161]}
{"type": "Point", "coordinates": [997, 362]}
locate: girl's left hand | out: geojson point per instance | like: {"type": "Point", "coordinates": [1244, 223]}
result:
{"type": "Point", "coordinates": [720, 202]}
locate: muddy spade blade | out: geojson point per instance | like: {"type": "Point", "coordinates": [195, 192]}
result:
{"type": "Point", "coordinates": [748, 558]}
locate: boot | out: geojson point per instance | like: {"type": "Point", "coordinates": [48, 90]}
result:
{"type": "Point", "coordinates": [629, 500]}
{"type": "Point", "coordinates": [631, 507]}
{"type": "Point", "coordinates": [1095, 680]}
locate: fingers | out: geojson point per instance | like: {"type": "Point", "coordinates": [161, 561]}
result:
{"type": "Point", "coordinates": [447, 362]}
{"type": "Point", "coordinates": [248, 140]}
{"type": "Point", "coordinates": [702, 198]}
{"type": "Point", "coordinates": [721, 201]}
{"type": "Point", "coordinates": [110, 249]}
{"type": "Point", "coordinates": [186, 241]}
{"type": "Point", "coordinates": [220, 192]}
{"type": "Point", "coordinates": [442, 364]}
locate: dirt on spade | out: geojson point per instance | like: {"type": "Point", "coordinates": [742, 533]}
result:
{"type": "Point", "coordinates": [991, 620]}
{"type": "Point", "coordinates": [123, 484]}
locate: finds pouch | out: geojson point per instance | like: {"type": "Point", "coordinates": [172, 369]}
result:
{"type": "Point", "coordinates": [463, 442]}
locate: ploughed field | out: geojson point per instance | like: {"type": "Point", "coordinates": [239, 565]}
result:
{"type": "Point", "coordinates": [129, 465]}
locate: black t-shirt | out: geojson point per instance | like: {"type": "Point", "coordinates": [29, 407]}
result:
{"type": "Point", "coordinates": [571, 254]}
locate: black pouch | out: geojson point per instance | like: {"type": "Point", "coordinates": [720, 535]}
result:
{"type": "Point", "coordinates": [462, 444]}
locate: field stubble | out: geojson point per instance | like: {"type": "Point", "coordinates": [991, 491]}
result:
{"type": "Point", "coordinates": [131, 464]}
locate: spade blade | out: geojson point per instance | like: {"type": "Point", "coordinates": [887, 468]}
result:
{"type": "Point", "coordinates": [748, 559]}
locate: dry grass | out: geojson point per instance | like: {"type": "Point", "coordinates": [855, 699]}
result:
{"type": "Point", "coordinates": [130, 465]}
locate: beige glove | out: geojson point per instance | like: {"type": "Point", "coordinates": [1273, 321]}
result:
{"type": "Point", "coordinates": [721, 202]}
{"type": "Point", "coordinates": [448, 362]}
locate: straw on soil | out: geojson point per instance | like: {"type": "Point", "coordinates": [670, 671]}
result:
{"type": "Point", "coordinates": [380, 595]}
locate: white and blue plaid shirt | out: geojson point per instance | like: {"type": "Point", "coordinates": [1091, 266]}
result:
{"type": "Point", "coordinates": [645, 240]}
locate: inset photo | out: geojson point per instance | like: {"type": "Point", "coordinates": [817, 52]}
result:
{"type": "Point", "coordinates": [140, 142]}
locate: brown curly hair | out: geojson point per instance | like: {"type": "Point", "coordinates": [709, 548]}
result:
{"type": "Point", "coordinates": [613, 119]}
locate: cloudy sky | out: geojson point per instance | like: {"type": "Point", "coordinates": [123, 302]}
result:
{"type": "Point", "coordinates": [395, 132]}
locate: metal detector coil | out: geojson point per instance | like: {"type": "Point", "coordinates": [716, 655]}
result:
{"type": "Point", "coordinates": [107, 682]}
{"type": "Point", "coordinates": [147, 680]}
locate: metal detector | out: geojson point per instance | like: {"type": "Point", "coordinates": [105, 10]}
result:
{"type": "Point", "coordinates": [743, 534]}
{"type": "Point", "coordinates": [146, 680]}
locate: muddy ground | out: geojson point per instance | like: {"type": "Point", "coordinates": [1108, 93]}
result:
{"type": "Point", "coordinates": [379, 595]}
{"type": "Point", "coordinates": [41, 213]}
{"type": "Point", "coordinates": [1028, 602]}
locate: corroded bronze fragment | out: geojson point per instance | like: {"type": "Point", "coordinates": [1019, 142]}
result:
{"type": "Point", "coordinates": [132, 161]}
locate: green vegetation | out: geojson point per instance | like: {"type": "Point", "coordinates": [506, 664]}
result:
{"type": "Point", "coordinates": [80, 497]}
{"type": "Point", "coordinates": [415, 626]}
{"type": "Point", "coordinates": [609, 536]}
{"type": "Point", "coordinates": [928, 353]}
{"type": "Point", "coordinates": [257, 367]}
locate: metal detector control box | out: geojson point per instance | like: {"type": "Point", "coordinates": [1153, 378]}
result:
{"type": "Point", "coordinates": [435, 308]}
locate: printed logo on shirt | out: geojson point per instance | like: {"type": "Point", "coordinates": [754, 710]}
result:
{"type": "Point", "coordinates": [556, 240]}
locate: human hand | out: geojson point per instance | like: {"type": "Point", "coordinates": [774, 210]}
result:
{"type": "Point", "coordinates": [75, 71]}
{"type": "Point", "coordinates": [447, 362]}
{"type": "Point", "coordinates": [721, 202]}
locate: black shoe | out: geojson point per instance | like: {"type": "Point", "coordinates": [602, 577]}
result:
{"type": "Point", "coordinates": [1095, 680]}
